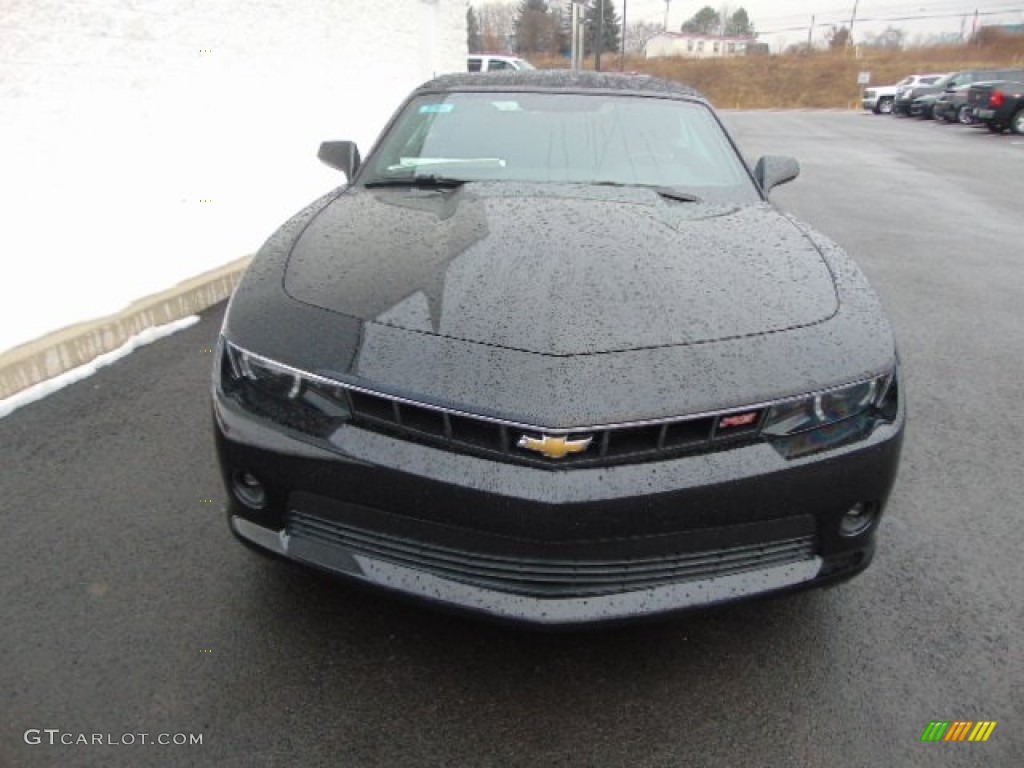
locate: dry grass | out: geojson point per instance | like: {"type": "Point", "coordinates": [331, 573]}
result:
{"type": "Point", "coordinates": [819, 79]}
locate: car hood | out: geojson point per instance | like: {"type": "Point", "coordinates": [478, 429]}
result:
{"type": "Point", "coordinates": [559, 270]}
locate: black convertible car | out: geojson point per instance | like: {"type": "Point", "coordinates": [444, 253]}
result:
{"type": "Point", "coordinates": [551, 356]}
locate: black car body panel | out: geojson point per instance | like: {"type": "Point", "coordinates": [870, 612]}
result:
{"type": "Point", "coordinates": [574, 245]}
{"type": "Point", "coordinates": [653, 381]}
{"type": "Point", "coordinates": [452, 332]}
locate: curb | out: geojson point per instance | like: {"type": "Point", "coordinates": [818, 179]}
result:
{"type": "Point", "coordinates": [74, 346]}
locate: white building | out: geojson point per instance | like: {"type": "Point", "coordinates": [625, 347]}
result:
{"type": "Point", "coordinates": [695, 46]}
{"type": "Point", "coordinates": [143, 142]}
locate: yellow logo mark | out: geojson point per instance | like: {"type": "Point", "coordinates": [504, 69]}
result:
{"type": "Point", "coordinates": [554, 447]}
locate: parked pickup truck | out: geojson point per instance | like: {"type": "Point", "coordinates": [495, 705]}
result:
{"type": "Point", "coordinates": [998, 105]}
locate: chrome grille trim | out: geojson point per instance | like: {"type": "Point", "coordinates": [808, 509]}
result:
{"type": "Point", "coordinates": [699, 430]}
{"type": "Point", "coordinates": [551, 578]}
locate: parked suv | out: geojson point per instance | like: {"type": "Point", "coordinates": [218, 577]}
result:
{"type": "Point", "coordinates": [906, 93]}
{"type": "Point", "coordinates": [485, 62]}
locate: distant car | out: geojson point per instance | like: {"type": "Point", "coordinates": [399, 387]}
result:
{"type": "Point", "coordinates": [923, 106]}
{"type": "Point", "coordinates": [952, 106]}
{"type": "Point", "coordinates": [485, 62]}
{"type": "Point", "coordinates": [919, 85]}
{"type": "Point", "coordinates": [879, 99]}
{"type": "Point", "coordinates": [552, 356]}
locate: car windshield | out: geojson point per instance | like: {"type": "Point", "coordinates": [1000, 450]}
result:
{"type": "Point", "coordinates": [563, 138]}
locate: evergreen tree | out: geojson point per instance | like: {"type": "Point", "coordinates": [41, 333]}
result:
{"type": "Point", "coordinates": [474, 41]}
{"type": "Point", "coordinates": [706, 21]}
{"type": "Point", "coordinates": [738, 25]}
{"type": "Point", "coordinates": [612, 26]}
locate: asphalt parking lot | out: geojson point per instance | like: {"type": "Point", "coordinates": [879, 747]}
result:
{"type": "Point", "coordinates": [129, 609]}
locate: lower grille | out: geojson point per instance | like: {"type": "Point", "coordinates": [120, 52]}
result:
{"type": "Point", "coordinates": [551, 577]}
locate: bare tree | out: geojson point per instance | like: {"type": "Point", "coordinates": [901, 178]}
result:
{"type": "Point", "coordinates": [537, 28]}
{"type": "Point", "coordinates": [497, 25]}
{"type": "Point", "coordinates": [638, 33]}
{"type": "Point", "coordinates": [890, 39]}
{"type": "Point", "coordinates": [838, 37]}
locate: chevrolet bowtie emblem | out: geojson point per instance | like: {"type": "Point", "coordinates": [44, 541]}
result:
{"type": "Point", "coordinates": [554, 447]}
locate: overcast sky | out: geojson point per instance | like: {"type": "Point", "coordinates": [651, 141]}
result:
{"type": "Point", "coordinates": [777, 18]}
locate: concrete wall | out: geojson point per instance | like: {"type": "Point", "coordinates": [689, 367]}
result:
{"type": "Point", "coordinates": [143, 142]}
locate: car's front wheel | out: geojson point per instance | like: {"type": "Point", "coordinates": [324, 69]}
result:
{"type": "Point", "coordinates": [1017, 123]}
{"type": "Point", "coordinates": [884, 106]}
{"type": "Point", "coordinates": [965, 115]}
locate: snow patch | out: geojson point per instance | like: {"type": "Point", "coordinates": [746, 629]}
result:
{"type": "Point", "coordinates": [44, 388]}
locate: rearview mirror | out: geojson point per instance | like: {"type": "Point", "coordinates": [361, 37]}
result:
{"type": "Point", "coordinates": [773, 170]}
{"type": "Point", "coordinates": [343, 155]}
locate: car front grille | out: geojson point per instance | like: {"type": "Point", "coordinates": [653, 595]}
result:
{"type": "Point", "coordinates": [551, 577]}
{"type": "Point", "coordinates": [611, 444]}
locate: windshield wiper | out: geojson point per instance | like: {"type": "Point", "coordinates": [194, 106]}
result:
{"type": "Point", "coordinates": [675, 194]}
{"type": "Point", "coordinates": [667, 192]}
{"type": "Point", "coordinates": [429, 180]}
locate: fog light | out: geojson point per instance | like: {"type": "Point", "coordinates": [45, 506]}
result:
{"type": "Point", "coordinates": [249, 490]}
{"type": "Point", "coordinates": [857, 519]}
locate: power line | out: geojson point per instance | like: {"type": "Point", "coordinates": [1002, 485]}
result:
{"type": "Point", "coordinates": [654, 10]}
{"type": "Point", "coordinates": [878, 19]}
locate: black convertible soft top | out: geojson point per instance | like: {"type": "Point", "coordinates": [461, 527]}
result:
{"type": "Point", "coordinates": [559, 79]}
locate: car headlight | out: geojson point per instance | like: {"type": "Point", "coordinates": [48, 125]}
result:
{"type": "Point", "coordinates": [827, 419]}
{"type": "Point", "coordinates": [284, 395]}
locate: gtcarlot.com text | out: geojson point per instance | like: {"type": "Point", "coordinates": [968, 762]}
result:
{"type": "Point", "coordinates": [56, 736]}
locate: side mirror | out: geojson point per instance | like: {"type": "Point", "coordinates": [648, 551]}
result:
{"type": "Point", "coordinates": [773, 170]}
{"type": "Point", "coordinates": [343, 155]}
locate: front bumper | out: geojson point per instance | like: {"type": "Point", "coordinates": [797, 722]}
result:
{"type": "Point", "coordinates": [545, 547]}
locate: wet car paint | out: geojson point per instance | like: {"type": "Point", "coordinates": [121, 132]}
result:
{"type": "Point", "coordinates": [513, 302]}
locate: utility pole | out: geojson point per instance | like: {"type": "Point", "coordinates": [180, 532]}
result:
{"type": "Point", "coordinates": [622, 55]}
{"type": "Point", "coordinates": [575, 38]}
{"type": "Point", "coordinates": [573, 20]}
{"type": "Point", "coordinates": [665, 25]}
{"type": "Point", "coordinates": [853, 18]}
{"type": "Point", "coordinates": [599, 42]}
{"type": "Point", "coordinates": [810, 33]}
{"type": "Point", "coordinates": [974, 24]}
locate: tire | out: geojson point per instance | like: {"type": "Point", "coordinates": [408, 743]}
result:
{"type": "Point", "coordinates": [965, 116]}
{"type": "Point", "coordinates": [884, 106]}
{"type": "Point", "coordinates": [1017, 122]}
